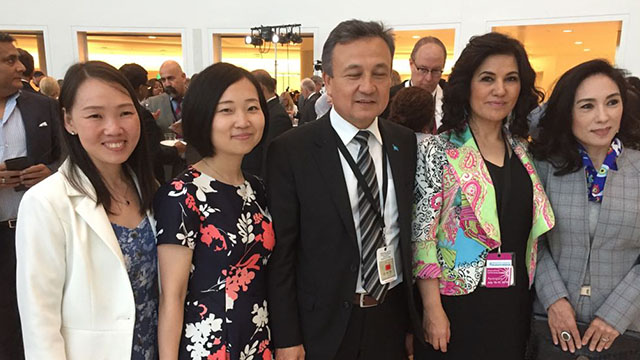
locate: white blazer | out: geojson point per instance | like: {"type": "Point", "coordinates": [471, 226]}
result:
{"type": "Point", "coordinates": [74, 294]}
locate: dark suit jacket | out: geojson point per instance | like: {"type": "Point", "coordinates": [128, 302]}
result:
{"type": "Point", "coordinates": [160, 155]}
{"type": "Point", "coordinates": [26, 86]}
{"type": "Point", "coordinates": [313, 269]}
{"type": "Point", "coordinates": [278, 123]}
{"type": "Point", "coordinates": [308, 112]}
{"type": "Point", "coordinates": [41, 118]}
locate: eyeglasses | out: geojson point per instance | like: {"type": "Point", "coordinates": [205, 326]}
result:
{"type": "Point", "coordinates": [424, 71]}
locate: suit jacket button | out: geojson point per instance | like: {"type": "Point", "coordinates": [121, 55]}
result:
{"type": "Point", "coordinates": [346, 304]}
{"type": "Point", "coordinates": [353, 268]}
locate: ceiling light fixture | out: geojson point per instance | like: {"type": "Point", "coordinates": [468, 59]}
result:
{"type": "Point", "coordinates": [587, 49]}
{"type": "Point", "coordinates": [578, 42]}
{"type": "Point", "coordinates": [152, 37]}
{"type": "Point", "coordinates": [567, 30]}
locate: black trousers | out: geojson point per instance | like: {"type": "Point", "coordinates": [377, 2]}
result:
{"type": "Point", "coordinates": [10, 332]}
{"type": "Point", "coordinates": [377, 333]}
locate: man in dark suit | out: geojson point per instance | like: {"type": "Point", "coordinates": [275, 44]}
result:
{"type": "Point", "coordinates": [29, 124]}
{"type": "Point", "coordinates": [308, 111]}
{"type": "Point", "coordinates": [340, 190]}
{"type": "Point", "coordinates": [27, 60]}
{"type": "Point", "coordinates": [427, 64]}
{"type": "Point", "coordinates": [277, 123]}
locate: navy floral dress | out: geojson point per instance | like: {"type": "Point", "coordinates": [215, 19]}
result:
{"type": "Point", "coordinates": [229, 230]}
{"type": "Point", "coordinates": [138, 247]}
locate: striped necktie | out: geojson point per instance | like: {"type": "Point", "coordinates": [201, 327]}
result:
{"type": "Point", "coordinates": [371, 237]}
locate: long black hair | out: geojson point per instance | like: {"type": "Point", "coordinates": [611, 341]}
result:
{"type": "Point", "coordinates": [139, 160]}
{"type": "Point", "coordinates": [556, 142]}
{"type": "Point", "coordinates": [455, 103]}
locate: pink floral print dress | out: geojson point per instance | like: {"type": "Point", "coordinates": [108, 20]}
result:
{"type": "Point", "coordinates": [230, 232]}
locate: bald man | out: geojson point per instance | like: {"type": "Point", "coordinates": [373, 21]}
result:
{"type": "Point", "coordinates": [170, 102]}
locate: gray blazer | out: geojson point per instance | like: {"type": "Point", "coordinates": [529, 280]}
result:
{"type": "Point", "coordinates": [565, 251]}
{"type": "Point", "coordinates": [161, 102]}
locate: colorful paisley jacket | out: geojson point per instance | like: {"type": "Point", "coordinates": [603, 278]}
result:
{"type": "Point", "coordinates": [455, 222]}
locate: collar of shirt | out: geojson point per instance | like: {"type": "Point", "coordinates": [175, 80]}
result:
{"type": "Point", "coordinates": [274, 97]}
{"type": "Point", "coordinates": [9, 106]}
{"type": "Point", "coordinates": [346, 131]}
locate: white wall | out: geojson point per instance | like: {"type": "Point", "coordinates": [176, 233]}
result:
{"type": "Point", "coordinates": [196, 18]}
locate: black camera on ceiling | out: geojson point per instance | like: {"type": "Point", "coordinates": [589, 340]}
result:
{"type": "Point", "coordinates": [318, 65]}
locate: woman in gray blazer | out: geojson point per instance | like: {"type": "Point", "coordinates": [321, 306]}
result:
{"type": "Point", "coordinates": [588, 275]}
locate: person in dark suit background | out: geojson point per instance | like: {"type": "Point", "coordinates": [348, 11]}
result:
{"type": "Point", "coordinates": [325, 297]}
{"type": "Point", "coordinates": [160, 154]}
{"type": "Point", "coordinates": [27, 60]}
{"type": "Point", "coordinates": [28, 127]}
{"type": "Point", "coordinates": [277, 123]}
{"type": "Point", "coordinates": [427, 62]}
{"type": "Point", "coordinates": [308, 110]}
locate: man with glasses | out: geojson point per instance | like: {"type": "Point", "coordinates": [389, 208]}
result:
{"type": "Point", "coordinates": [427, 64]}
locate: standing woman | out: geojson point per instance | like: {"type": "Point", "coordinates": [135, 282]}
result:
{"type": "Point", "coordinates": [477, 196]}
{"type": "Point", "coordinates": [588, 276]}
{"type": "Point", "coordinates": [214, 230]}
{"type": "Point", "coordinates": [87, 278]}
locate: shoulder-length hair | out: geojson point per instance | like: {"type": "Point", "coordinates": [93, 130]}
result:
{"type": "Point", "coordinates": [139, 160]}
{"type": "Point", "coordinates": [455, 103]}
{"type": "Point", "coordinates": [556, 142]}
{"type": "Point", "coordinates": [202, 98]}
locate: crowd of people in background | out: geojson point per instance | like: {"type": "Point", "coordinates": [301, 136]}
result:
{"type": "Point", "coordinates": [361, 217]}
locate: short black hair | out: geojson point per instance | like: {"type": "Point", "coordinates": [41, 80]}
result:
{"type": "Point", "coordinates": [6, 38]}
{"type": "Point", "coordinates": [202, 98]}
{"type": "Point", "coordinates": [556, 142]}
{"type": "Point", "coordinates": [352, 30]}
{"type": "Point", "coordinates": [455, 102]}
{"type": "Point", "coordinates": [27, 60]}
{"type": "Point", "coordinates": [138, 162]}
{"type": "Point", "coordinates": [38, 73]}
{"type": "Point", "coordinates": [413, 107]}
{"type": "Point", "coordinates": [135, 73]}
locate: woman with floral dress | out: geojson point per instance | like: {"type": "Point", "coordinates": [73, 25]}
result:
{"type": "Point", "coordinates": [214, 230]}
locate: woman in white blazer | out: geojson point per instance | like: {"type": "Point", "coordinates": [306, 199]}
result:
{"type": "Point", "coordinates": [87, 261]}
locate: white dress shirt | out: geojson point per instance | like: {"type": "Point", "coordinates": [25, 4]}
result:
{"type": "Point", "coordinates": [347, 132]}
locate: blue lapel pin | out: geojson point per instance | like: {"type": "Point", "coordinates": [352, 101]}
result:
{"type": "Point", "coordinates": [395, 147]}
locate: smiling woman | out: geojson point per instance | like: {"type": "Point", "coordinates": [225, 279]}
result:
{"type": "Point", "coordinates": [214, 229]}
{"type": "Point", "coordinates": [589, 175]}
{"type": "Point", "coordinates": [100, 240]}
{"type": "Point", "coordinates": [478, 199]}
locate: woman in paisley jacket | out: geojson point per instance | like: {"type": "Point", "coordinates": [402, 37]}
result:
{"type": "Point", "coordinates": [478, 194]}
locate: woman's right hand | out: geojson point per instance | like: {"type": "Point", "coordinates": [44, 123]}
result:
{"type": "Point", "coordinates": [562, 317]}
{"type": "Point", "coordinates": [435, 324]}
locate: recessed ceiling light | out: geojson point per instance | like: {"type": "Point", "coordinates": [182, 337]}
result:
{"type": "Point", "coordinates": [567, 30]}
{"type": "Point", "coordinates": [578, 42]}
{"type": "Point", "coordinates": [416, 37]}
{"type": "Point", "coordinates": [152, 37]}
{"type": "Point", "coordinates": [587, 49]}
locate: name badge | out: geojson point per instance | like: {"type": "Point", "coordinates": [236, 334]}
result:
{"type": "Point", "coordinates": [499, 271]}
{"type": "Point", "coordinates": [386, 264]}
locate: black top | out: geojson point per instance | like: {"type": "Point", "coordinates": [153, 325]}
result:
{"type": "Point", "coordinates": [494, 323]}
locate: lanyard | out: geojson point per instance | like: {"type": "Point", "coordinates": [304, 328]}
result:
{"type": "Point", "coordinates": [361, 180]}
{"type": "Point", "coordinates": [506, 182]}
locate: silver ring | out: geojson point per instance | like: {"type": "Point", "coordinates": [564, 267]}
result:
{"type": "Point", "coordinates": [605, 339]}
{"type": "Point", "coordinates": [565, 336]}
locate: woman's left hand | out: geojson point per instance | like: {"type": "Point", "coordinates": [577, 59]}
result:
{"type": "Point", "coordinates": [601, 335]}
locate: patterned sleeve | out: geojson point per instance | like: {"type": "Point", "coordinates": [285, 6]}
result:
{"type": "Point", "coordinates": [177, 215]}
{"type": "Point", "coordinates": [426, 207]}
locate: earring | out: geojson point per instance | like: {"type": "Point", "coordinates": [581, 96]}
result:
{"type": "Point", "coordinates": [73, 133]}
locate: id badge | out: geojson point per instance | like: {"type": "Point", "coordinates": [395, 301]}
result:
{"type": "Point", "coordinates": [499, 271]}
{"type": "Point", "coordinates": [386, 264]}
